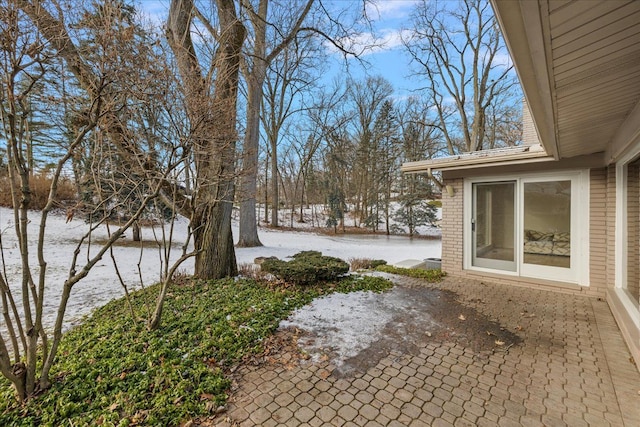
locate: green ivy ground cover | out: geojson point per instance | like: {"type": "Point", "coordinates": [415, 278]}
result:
{"type": "Point", "coordinates": [112, 371]}
{"type": "Point", "coordinates": [432, 276]}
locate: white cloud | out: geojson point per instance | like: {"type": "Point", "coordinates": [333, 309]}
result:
{"type": "Point", "coordinates": [155, 11]}
{"type": "Point", "coordinates": [390, 9]}
{"type": "Point", "coordinates": [369, 43]}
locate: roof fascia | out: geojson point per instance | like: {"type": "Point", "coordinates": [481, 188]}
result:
{"type": "Point", "coordinates": [588, 161]}
{"type": "Point", "coordinates": [627, 135]}
{"type": "Point", "coordinates": [478, 162]}
{"type": "Point", "coordinates": [526, 35]}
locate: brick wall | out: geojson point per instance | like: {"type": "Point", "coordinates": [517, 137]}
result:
{"type": "Point", "coordinates": [611, 227]}
{"type": "Point", "coordinates": [452, 217]}
{"type": "Point", "coordinates": [598, 231]}
{"type": "Point", "coordinates": [529, 132]}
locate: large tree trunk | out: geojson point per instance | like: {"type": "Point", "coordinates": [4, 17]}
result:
{"type": "Point", "coordinates": [275, 196]}
{"type": "Point", "coordinates": [248, 182]}
{"type": "Point", "coordinates": [255, 79]}
{"type": "Point", "coordinates": [213, 121]}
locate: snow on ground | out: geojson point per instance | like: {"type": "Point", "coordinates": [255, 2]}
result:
{"type": "Point", "coordinates": [315, 216]}
{"type": "Point", "coordinates": [345, 324]}
{"type": "Point", "coordinates": [139, 267]}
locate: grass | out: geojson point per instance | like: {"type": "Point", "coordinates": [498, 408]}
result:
{"type": "Point", "coordinates": [40, 185]}
{"type": "Point", "coordinates": [111, 371]}
{"type": "Point", "coordinates": [432, 276]}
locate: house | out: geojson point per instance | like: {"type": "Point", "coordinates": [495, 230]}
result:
{"type": "Point", "coordinates": [564, 214]}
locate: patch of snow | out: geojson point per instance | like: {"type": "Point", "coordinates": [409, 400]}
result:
{"type": "Point", "coordinates": [344, 324]}
{"type": "Point", "coordinates": [315, 216]}
{"type": "Point", "coordinates": [140, 267]}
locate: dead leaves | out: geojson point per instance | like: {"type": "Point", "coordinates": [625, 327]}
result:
{"type": "Point", "coordinates": [462, 317]}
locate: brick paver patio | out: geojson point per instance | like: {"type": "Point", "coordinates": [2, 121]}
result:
{"type": "Point", "coordinates": [572, 369]}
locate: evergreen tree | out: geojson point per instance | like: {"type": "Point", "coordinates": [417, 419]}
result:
{"type": "Point", "coordinates": [415, 210]}
{"type": "Point", "coordinates": [335, 201]}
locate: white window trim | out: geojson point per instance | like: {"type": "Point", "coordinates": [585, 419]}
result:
{"type": "Point", "coordinates": [579, 273]}
{"type": "Point", "coordinates": [621, 234]}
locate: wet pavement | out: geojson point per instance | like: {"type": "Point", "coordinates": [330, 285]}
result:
{"type": "Point", "coordinates": [500, 356]}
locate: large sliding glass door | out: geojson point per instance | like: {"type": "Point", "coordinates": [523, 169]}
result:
{"type": "Point", "coordinates": [493, 225]}
{"type": "Point", "coordinates": [530, 226]}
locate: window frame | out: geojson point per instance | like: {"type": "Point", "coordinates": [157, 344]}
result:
{"type": "Point", "coordinates": [578, 272]}
{"type": "Point", "coordinates": [621, 236]}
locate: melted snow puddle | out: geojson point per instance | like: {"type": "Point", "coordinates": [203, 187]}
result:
{"type": "Point", "coordinates": [345, 325]}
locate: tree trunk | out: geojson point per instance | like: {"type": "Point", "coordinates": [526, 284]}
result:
{"type": "Point", "coordinates": [248, 232]}
{"type": "Point", "coordinates": [275, 199]}
{"type": "Point", "coordinates": [266, 190]}
{"type": "Point", "coordinates": [248, 182]}
{"type": "Point", "coordinates": [213, 119]}
{"type": "Point", "coordinates": [136, 232]}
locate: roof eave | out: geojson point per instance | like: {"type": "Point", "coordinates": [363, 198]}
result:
{"type": "Point", "coordinates": [474, 163]}
{"type": "Point", "coordinates": [524, 32]}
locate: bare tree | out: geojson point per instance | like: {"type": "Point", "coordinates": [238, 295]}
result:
{"type": "Point", "coordinates": [288, 78]}
{"type": "Point", "coordinates": [212, 117]}
{"type": "Point", "coordinates": [367, 97]}
{"type": "Point", "coordinates": [461, 55]}
{"type": "Point", "coordinates": [27, 350]}
{"type": "Point", "coordinates": [285, 26]}
{"type": "Point", "coordinates": [421, 138]}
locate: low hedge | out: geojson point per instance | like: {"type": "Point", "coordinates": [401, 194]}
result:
{"type": "Point", "coordinates": [306, 267]}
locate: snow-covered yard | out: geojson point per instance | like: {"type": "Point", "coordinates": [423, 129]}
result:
{"type": "Point", "coordinates": [139, 267]}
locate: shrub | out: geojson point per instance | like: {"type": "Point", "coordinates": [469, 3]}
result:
{"type": "Point", "coordinates": [306, 267]}
{"type": "Point", "coordinates": [365, 263]}
{"type": "Point", "coordinates": [40, 185]}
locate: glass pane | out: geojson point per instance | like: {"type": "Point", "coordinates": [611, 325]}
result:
{"type": "Point", "coordinates": [494, 225]}
{"type": "Point", "coordinates": [633, 230]}
{"type": "Point", "coordinates": [547, 223]}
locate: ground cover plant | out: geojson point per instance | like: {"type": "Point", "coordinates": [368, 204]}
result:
{"type": "Point", "coordinates": [113, 371]}
{"type": "Point", "coordinates": [432, 276]}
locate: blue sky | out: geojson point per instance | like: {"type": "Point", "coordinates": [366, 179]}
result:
{"type": "Point", "coordinates": [390, 20]}
{"type": "Point", "coordinates": [388, 59]}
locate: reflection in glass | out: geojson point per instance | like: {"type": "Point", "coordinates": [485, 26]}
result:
{"type": "Point", "coordinates": [493, 225]}
{"type": "Point", "coordinates": [547, 223]}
